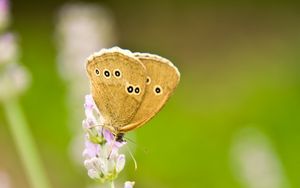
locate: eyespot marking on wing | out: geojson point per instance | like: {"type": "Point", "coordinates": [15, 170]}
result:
{"type": "Point", "coordinates": [157, 90]}
{"type": "Point", "coordinates": [97, 72]}
{"type": "Point", "coordinates": [148, 80]}
{"type": "Point", "coordinates": [129, 89]}
{"type": "Point", "coordinates": [106, 73]}
{"type": "Point", "coordinates": [137, 90]}
{"type": "Point", "coordinates": [117, 73]}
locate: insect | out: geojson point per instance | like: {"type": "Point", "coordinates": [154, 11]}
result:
{"type": "Point", "coordinates": [129, 88]}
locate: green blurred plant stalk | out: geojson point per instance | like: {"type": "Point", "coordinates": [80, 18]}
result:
{"type": "Point", "coordinates": [112, 184]}
{"type": "Point", "coordinates": [25, 144]}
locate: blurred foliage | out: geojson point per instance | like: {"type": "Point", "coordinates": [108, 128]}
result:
{"type": "Point", "coordinates": [239, 65]}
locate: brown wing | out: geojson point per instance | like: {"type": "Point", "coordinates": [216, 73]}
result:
{"type": "Point", "coordinates": [117, 81]}
{"type": "Point", "coordinates": [162, 80]}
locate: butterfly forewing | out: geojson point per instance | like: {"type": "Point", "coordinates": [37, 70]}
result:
{"type": "Point", "coordinates": [117, 82]}
{"type": "Point", "coordinates": [162, 79]}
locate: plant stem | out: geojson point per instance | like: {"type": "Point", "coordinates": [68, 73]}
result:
{"type": "Point", "coordinates": [25, 145]}
{"type": "Point", "coordinates": [112, 184]}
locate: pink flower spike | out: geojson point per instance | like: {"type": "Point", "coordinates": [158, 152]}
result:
{"type": "Point", "coordinates": [101, 153]}
{"type": "Point", "coordinates": [4, 5]}
{"type": "Point", "coordinates": [4, 14]}
{"type": "Point", "coordinates": [8, 45]}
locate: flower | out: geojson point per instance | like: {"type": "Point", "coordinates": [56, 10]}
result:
{"type": "Point", "coordinates": [254, 161]}
{"type": "Point", "coordinates": [92, 26]}
{"type": "Point", "coordinates": [129, 184]}
{"type": "Point", "coordinates": [4, 14]}
{"type": "Point", "coordinates": [14, 78]}
{"type": "Point", "coordinates": [8, 48]}
{"type": "Point", "coordinates": [101, 154]}
{"type": "Point", "coordinates": [81, 29]}
{"type": "Point", "coordinates": [4, 180]}
{"type": "Point", "coordinates": [91, 150]}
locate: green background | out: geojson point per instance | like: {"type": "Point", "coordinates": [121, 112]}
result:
{"type": "Point", "coordinates": [239, 64]}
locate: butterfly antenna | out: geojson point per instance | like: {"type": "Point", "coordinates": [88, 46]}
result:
{"type": "Point", "coordinates": [130, 153]}
{"type": "Point", "coordinates": [143, 149]}
{"type": "Point", "coordinates": [129, 139]}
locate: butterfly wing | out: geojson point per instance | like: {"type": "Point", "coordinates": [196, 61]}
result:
{"type": "Point", "coordinates": [117, 80]}
{"type": "Point", "coordinates": [162, 79]}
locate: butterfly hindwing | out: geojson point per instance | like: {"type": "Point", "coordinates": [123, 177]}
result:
{"type": "Point", "coordinates": [162, 79]}
{"type": "Point", "coordinates": [117, 80]}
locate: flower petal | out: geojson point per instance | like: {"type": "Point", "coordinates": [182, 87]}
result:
{"type": "Point", "coordinates": [103, 167]}
{"type": "Point", "coordinates": [89, 102]}
{"type": "Point", "coordinates": [129, 184]}
{"type": "Point", "coordinates": [120, 163]}
{"type": "Point", "coordinates": [109, 137]}
{"type": "Point", "coordinates": [91, 149]}
{"type": "Point", "coordinates": [93, 174]}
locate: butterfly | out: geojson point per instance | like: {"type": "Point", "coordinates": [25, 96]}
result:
{"type": "Point", "coordinates": [129, 88]}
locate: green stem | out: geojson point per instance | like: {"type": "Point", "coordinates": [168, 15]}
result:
{"type": "Point", "coordinates": [112, 184]}
{"type": "Point", "coordinates": [25, 144]}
